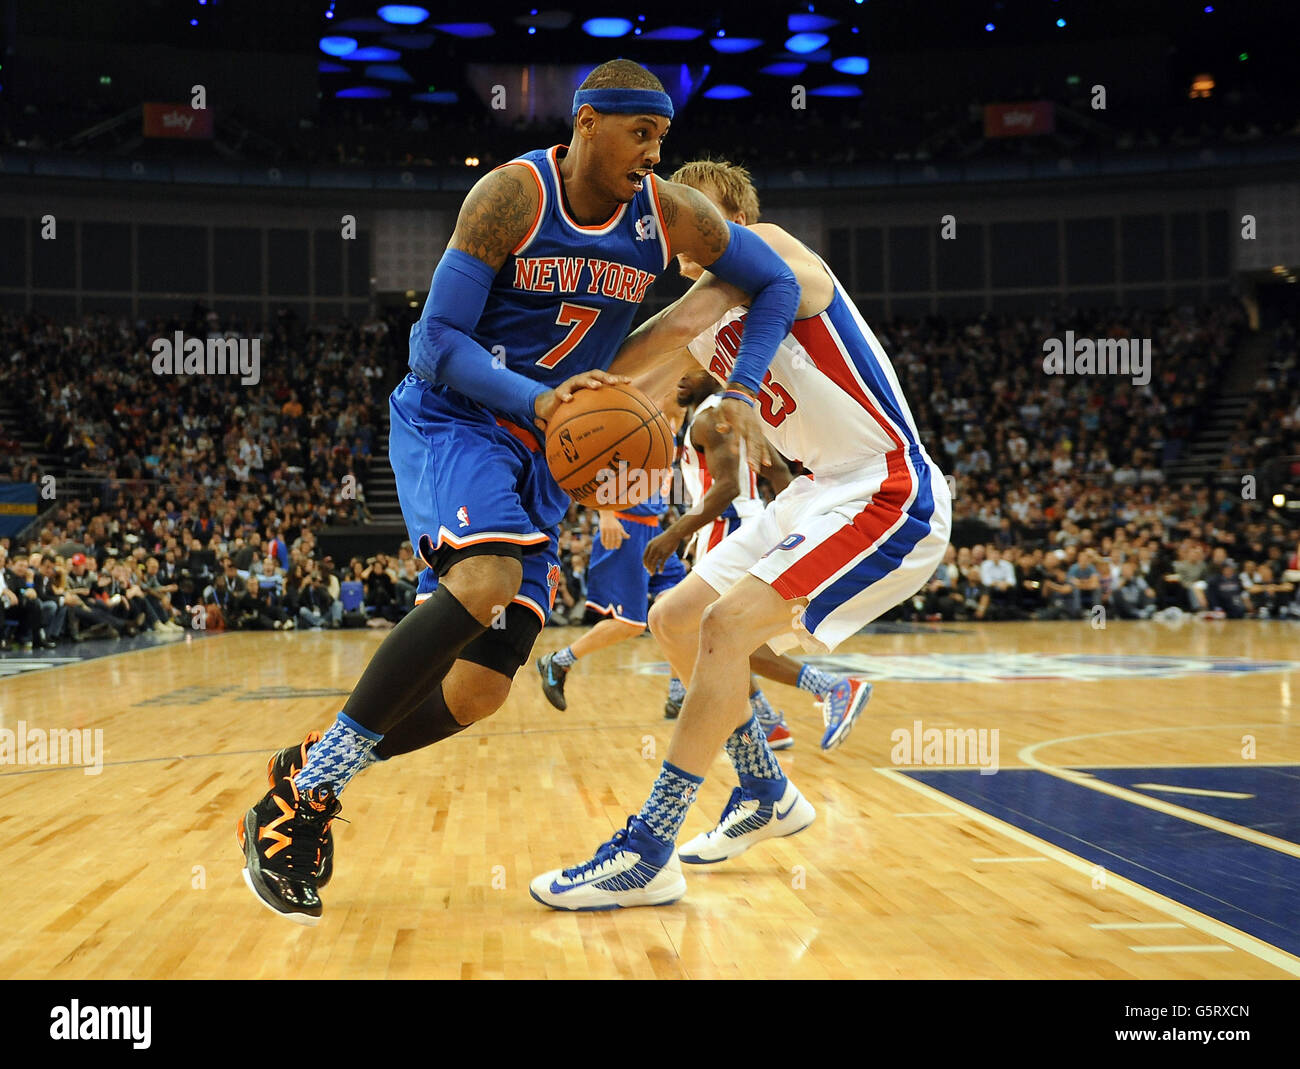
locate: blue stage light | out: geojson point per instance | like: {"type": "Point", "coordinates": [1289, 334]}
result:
{"type": "Point", "coordinates": [337, 46]}
{"type": "Point", "coordinates": [374, 54]}
{"type": "Point", "coordinates": [835, 91]}
{"type": "Point", "coordinates": [805, 23]}
{"type": "Point", "coordinates": [784, 70]}
{"type": "Point", "coordinates": [852, 64]}
{"type": "Point", "coordinates": [806, 42]}
{"type": "Point", "coordinates": [466, 29]}
{"type": "Point", "coordinates": [403, 14]}
{"type": "Point", "coordinates": [727, 92]}
{"type": "Point", "coordinates": [731, 45]}
{"type": "Point", "coordinates": [443, 96]}
{"type": "Point", "coordinates": [387, 72]}
{"type": "Point", "coordinates": [989, 27]}
{"type": "Point", "coordinates": [363, 92]}
{"type": "Point", "coordinates": [674, 33]}
{"type": "Point", "coordinates": [607, 27]}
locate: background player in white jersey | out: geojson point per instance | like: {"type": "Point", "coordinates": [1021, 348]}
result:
{"type": "Point", "coordinates": [829, 555]}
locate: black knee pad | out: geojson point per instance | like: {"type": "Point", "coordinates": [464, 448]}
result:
{"type": "Point", "coordinates": [506, 647]}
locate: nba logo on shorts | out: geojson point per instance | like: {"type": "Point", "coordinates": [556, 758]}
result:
{"type": "Point", "coordinates": [463, 515]}
{"type": "Point", "coordinates": [553, 581]}
{"type": "Point", "coordinates": [789, 542]}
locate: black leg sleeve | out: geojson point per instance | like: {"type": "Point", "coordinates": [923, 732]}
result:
{"type": "Point", "coordinates": [412, 661]}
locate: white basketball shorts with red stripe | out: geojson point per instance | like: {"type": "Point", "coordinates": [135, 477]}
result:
{"type": "Point", "coordinates": [854, 543]}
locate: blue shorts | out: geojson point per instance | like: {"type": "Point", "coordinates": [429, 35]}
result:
{"type": "Point", "coordinates": [536, 591]}
{"type": "Point", "coordinates": [466, 477]}
{"type": "Point", "coordinates": [618, 584]}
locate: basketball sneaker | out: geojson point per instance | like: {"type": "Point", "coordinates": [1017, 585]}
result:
{"type": "Point", "coordinates": [288, 763]}
{"type": "Point", "coordinates": [552, 681]}
{"type": "Point", "coordinates": [632, 869]}
{"type": "Point", "coordinates": [746, 821]}
{"type": "Point", "coordinates": [778, 735]}
{"type": "Point", "coordinates": [282, 837]}
{"type": "Point", "coordinates": [843, 705]}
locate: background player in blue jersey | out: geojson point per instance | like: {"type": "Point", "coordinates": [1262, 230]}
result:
{"type": "Point", "coordinates": [550, 257]}
{"type": "Point", "coordinates": [619, 588]}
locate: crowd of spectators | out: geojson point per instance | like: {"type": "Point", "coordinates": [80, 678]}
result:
{"type": "Point", "coordinates": [209, 495]}
{"type": "Point", "coordinates": [304, 432]}
{"type": "Point", "coordinates": [196, 474]}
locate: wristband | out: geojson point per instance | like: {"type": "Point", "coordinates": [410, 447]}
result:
{"type": "Point", "coordinates": [736, 395]}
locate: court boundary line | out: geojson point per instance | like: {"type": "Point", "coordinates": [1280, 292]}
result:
{"type": "Point", "coordinates": [1217, 929]}
{"type": "Point", "coordinates": [1027, 754]}
{"type": "Point", "coordinates": [78, 661]}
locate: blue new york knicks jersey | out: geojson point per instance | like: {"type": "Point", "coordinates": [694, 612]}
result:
{"type": "Point", "coordinates": [564, 299]}
{"type": "Point", "coordinates": [562, 303]}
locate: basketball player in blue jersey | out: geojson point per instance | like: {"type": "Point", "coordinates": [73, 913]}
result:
{"type": "Point", "coordinates": [618, 588]}
{"type": "Point", "coordinates": [550, 257]}
{"type": "Point", "coordinates": [825, 558]}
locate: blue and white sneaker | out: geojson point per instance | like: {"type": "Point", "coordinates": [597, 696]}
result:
{"type": "Point", "coordinates": [843, 705]}
{"type": "Point", "coordinates": [632, 869]}
{"type": "Point", "coordinates": [747, 821]}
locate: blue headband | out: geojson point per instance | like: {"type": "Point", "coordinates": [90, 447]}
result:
{"type": "Point", "coordinates": [624, 101]}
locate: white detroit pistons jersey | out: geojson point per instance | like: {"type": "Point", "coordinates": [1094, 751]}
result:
{"type": "Point", "coordinates": [830, 398]}
{"type": "Point", "coordinates": [697, 477]}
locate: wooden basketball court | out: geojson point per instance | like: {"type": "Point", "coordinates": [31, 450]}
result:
{"type": "Point", "coordinates": [1143, 821]}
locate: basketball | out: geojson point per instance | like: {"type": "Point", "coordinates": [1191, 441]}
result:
{"type": "Point", "coordinates": [605, 447]}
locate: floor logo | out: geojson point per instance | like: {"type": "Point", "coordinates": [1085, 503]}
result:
{"type": "Point", "coordinates": [1026, 667]}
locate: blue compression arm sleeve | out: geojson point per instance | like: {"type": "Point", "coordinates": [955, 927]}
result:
{"type": "Point", "coordinates": [443, 350]}
{"type": "Point", "coordinates": [749, 263]}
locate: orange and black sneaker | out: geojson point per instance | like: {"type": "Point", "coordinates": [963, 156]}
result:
{"type": "Point", "coordinates": [283, 837]}
{"type": "Point", "coordinates": [289, 762]}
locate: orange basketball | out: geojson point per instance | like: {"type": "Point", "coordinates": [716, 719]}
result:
{"type": "Point", "coordinates": [609, 448]}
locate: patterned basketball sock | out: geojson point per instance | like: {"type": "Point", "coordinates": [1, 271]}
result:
{"type": "Point", "coordinates": [762, 709]}
{"type": "Point", "coordinates": [815, 680]}
{"type": "Point", "coordinates": [670, 798]}
{"type": "Point", "coordinates": [676, 690]}
{"type": "Point", "coordinates": [760, 775]}
{"type": "Point", "coordinates": [565, 658]}
{"type": "Point", "coordinates": [340, 755]}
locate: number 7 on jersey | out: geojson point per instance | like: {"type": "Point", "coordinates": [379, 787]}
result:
{"type": "Point", "coordinates": [581, 319]}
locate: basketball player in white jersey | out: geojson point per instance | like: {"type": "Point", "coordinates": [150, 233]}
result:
{"type": "Point", "coordinates": [832, 553]}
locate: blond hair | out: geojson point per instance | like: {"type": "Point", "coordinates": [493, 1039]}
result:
{"type": "Point", "coordinates": [730, 181]}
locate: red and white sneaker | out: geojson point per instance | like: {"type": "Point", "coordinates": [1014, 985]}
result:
{"type": "Point", "coordinates": [843, 705]}
{"type": "Point", "coordinates": [779, 737]}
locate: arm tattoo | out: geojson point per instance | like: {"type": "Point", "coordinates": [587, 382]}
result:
{"type": "Point", "coordinates": [703, 232]}
{"type": "Point", "coordinates": [668, 206]}
{"type": "Point", "coordinates": [494, 218]}
{"type": "Point", "coordinates": [694, 225]}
